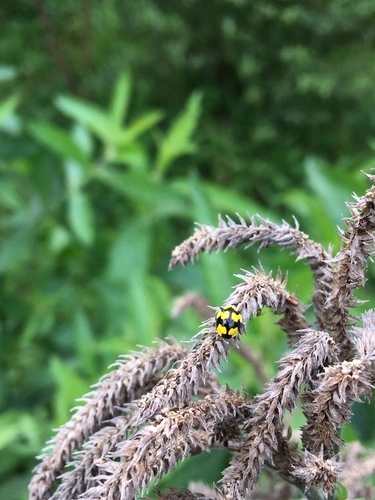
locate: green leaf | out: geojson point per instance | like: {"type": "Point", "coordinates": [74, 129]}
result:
{"type": "Point", "coordinates": [178, 140]}
{"type": "Point", "coordinates": [227, 201]}
{"type": "Point", "coordinates": [133, 155]}
{"type": "Point", "coordinates": [69, 387]}
{"type": "Point", "coordinates": [341, 493]}
{"type": "Point", "coordinates": [84, 341]}
{"type": "Point", "coordinates": [10, 198]}
{"type": "Point", "coordinates": [138, 319]}
{"type": "Point", "coordinates": [15, 248]}
{"type": "Point", "coordinates": [76, 176]}
{"type": "Point", "coordinates": [83, 139]}
{"type": "Point", "coordinates": [142, 124]}
{"type": "Point", "coordinates": [8, 106]}
{"type": "Point", "coordinates": [9, 430]}
{"type": "Point", "coordinates": [40, 320]}
{"type": "Point", "coordinates": [14, 487]}
{"type": "Point", "coordinates": [331, 191]}
{"type": "Point", "coordinates": [127, 273]}
{"type": "Point", "coordinates": [203, 468]}
{"type": "Point", "coordinates": [107, 125]}
{"type": "Point", "coordinates": [138, 307]}
{"type": "Point", "coordinates": [59, 239]}
{"type": "Point", "coordinates": [80, 216]}
{"type": "Point", "coordinates": [16, 425]}
{"type": "Point", "coordinates": [129, 255]}
{"type": "Point", "coordinates": [93, 117]}
{"type": "Point", "coordinates": [120, 99]}
{"type": "Point", "coordinates": [308, 210]}
{"type": "Point", "coordinates": [157, 199]}
{"type": "Point", "coordinates": [224, 200]}
{"type": "Point", "coordinates": [59, 141]}
{"type": "Point", "coordinates": [215, 266]}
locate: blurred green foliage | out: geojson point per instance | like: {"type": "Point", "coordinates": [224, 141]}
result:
{"type": "Point", "coordinates": [122, 123]}
{"type": "Point", "coordinates": [281, 79]}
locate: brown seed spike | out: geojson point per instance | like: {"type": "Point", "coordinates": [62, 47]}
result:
{"type": "Point", "coordinates": [163, 405]}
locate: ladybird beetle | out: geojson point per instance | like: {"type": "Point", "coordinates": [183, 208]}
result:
{"type": "Point", "coordinates": [228, 322]}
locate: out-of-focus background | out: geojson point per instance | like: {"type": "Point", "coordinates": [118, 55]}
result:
{"type": "Point", "coordinates": [124, 122]}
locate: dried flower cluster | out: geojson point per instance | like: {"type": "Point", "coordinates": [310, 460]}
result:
{"type": "Point", "coordinates": [158, 407]}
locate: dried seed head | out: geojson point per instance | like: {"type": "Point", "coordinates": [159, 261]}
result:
{"type": "Point", "coordinates": [328, 406]}
{"type": "Point", "coordinates": [316, 471]}
{"type": "Point", "coordinates": [334, 365]}
{"type": "Point", "coordinates": [266, 422]}
{"type": "Point", "coordinates": [127, 381]}
{"type": "Point", "coordinates": [167, 439]}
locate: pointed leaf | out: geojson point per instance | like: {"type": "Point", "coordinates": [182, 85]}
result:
{"type": "Point", "coordinates": [84, 341]}
{"type": "Point", "coordinates": [142, 124]}
{"type": "Point", "coordinates": [83, 139]}
{"type": "Point", "coordinates": [75, 175]}
{"type": "Point", "coordinates": [69, 387]}
{"type": "Point", "coordinates": [80, 216]}
{"type": "Point", "coordinates": [178, 140]}
{"type": "Point", "coordinates": [8, 428]}
{"type": "Point", "coordinates": [133, 155]}
{"type": "Point", "coordinates": [8, 106]}
{"type": "Point", "coordinates": [14, 248]}
{"type": "Point", "coordinates": [129, 255]}
{"type": "Point", "coordinates": [59, 141]}
{"type": "Point", "coordinates": [86, 113]}
{"type": "Point", "coordinates": [121, 99]}
{"type": "Point", "coordinates": [215, 265]}
{"type": "Point", "coordinates": [331, 190]}
{"type": "Point", "coordinates": [160, 199]}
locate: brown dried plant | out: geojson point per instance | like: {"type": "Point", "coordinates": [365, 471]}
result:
{"type": "Point", "coordinates": [158, 407]}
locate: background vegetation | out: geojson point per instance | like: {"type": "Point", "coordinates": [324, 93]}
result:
{"type": "Point", "coordinates": [121, 124]}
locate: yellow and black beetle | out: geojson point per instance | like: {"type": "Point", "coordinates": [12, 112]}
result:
{"type": "Point", "coordinates": [229, 322]}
